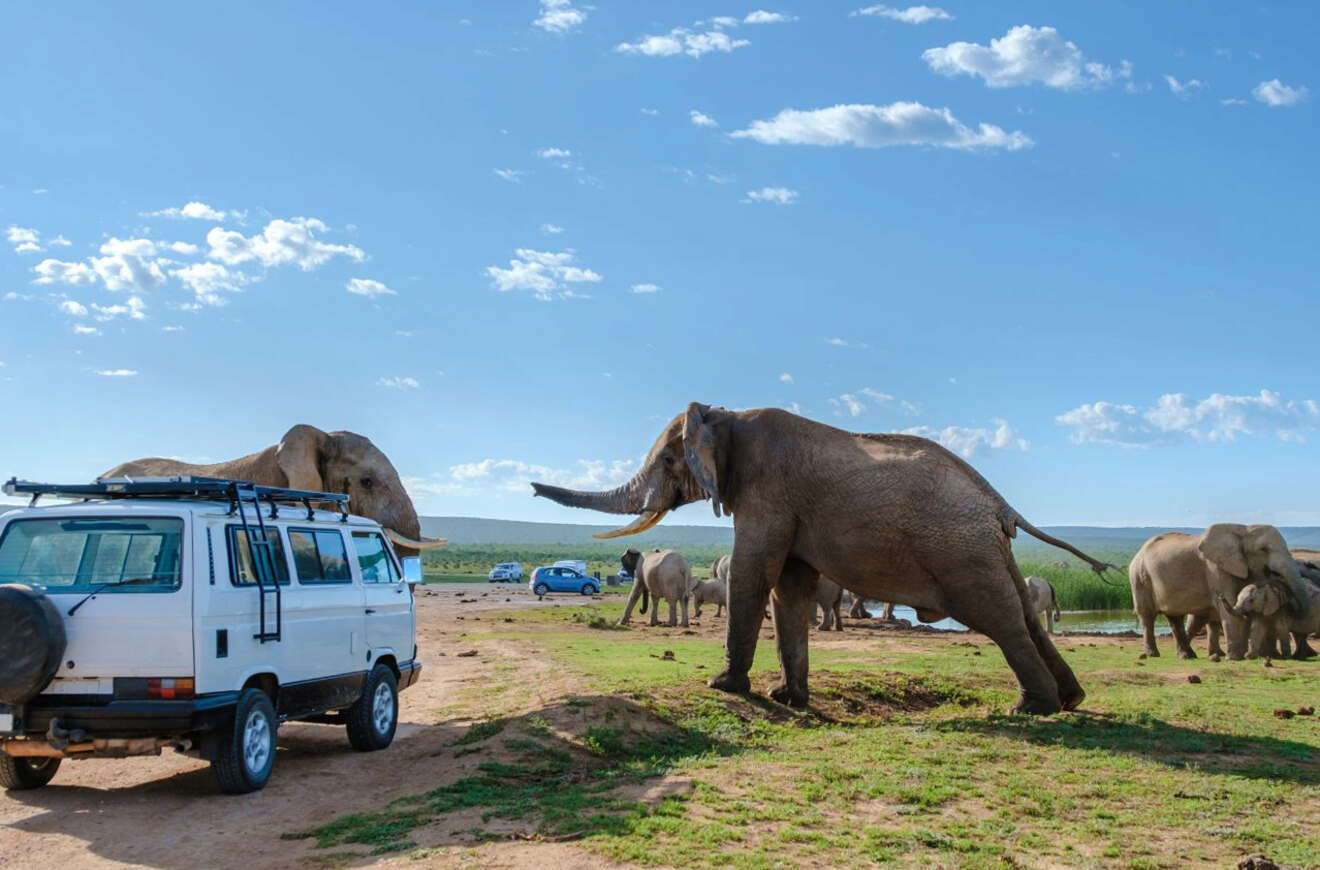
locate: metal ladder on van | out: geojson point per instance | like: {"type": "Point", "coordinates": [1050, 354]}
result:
{"type": "Point", "coordinates": [263, 560]}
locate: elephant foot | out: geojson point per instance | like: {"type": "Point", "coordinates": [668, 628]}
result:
{"type": "Point", "coordinates": [1303, 654]}
{"type": "Point", "coordinates": [1036, 705]}
{"type": "Point", "coordinates": [785, 694]}
{"type": "Point", "coordinates": [1186, 654]}
{"type": "Point", "coordinates": [1152, 653]}
{"type": "Point", "coordinates": [733, 683]}
{"type": "Point", "coordinates": [624, 621]}
{"type": "Point", "coordinates": [1072, 696]}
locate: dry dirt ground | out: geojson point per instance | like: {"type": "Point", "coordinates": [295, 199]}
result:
{"type": "Point", "coordinates": [166, 813]}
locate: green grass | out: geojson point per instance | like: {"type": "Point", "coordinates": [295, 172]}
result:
{"type": "Point", "coordinates": [905, 758]}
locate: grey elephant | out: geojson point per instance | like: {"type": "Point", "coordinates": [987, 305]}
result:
{"type": "Point", "coordinates": [891, 517]}
{"type": "Point", "coordinates": [829, 597]}
{"type": "Point", "coordinates": [719, 569]}
{"type": "Point", "coordinates": [663, 574]}
{"type": "Point", "coordinates": [307, 458]}
{"type": "Point", "coordinates": [709, 592]}
{"type": "Point", "coordinates": [1180, 575]}
{"type": "Point", "coordinates": [1043, 600]}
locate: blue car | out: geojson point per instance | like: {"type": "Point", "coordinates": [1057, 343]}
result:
{"type": "Point", "coordinates": [548, 579]}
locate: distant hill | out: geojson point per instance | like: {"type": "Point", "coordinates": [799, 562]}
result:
{"type": "Point", "coordinates": [475, 530]}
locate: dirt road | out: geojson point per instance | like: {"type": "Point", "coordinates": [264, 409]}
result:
{"type": "Point", "coordinates": [165, 812]}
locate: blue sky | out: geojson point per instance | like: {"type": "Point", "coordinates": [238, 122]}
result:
{"type": "Point", "coordinates": [508, 240]}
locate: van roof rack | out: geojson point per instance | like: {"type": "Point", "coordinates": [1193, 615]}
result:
{"type": "Point", "coordinates": [180, 487]}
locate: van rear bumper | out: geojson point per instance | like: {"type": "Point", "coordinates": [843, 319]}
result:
{"type": "Point", "coordinates": [135, 718]}
{"type": "Point", "coordinates": [408, 674]}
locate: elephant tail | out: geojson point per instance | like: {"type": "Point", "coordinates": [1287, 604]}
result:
{"type": "Point", "coordinates": [1054, 602]}
{"type": "Point", "coordinates": [1016, 520]}
{"type": "Point", "coordinates": [645, 594]}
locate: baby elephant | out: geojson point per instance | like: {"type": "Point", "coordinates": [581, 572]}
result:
{"type": "Point", "coordinates": [710, 592]}
{"type": "Point", "coordinates": [1043, 600]}
{"type": "Point", "coordinates": [1262, 605]}
{"type": "Point", "coordinates": [829, 595]}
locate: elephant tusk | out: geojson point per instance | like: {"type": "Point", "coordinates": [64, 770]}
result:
{"type": "Point", "coordinates": [405, 541]}
{"type": "Point", "coordinates": [641, 524]}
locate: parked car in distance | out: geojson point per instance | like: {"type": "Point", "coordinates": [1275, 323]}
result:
{"type": "Point", "coordinates": [578, 565]}
{"type": "Point", "coordinates": [561, 578]}
{"type": "Point", "coordinates": [506, 572]}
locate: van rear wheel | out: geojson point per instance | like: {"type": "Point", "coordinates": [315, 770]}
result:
{"type": "Point", "coordinates": [373, 719]}
{"type": "Point", "coordinates": [17, 774]}
{"type": "Point", "coordinates": [246, 755]}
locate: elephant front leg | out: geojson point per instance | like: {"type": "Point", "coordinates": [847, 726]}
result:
{"type": "Point", "coordinates": [755, 567]}
{"type": "Point", "coordinates": [1236, 631]}
{"type": "Point", "coordinates": [793, 600]}
{"type": "Point", "coordinates": [632, 601]}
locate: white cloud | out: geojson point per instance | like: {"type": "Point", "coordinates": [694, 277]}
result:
{"type": "Point", "coordinates": [968, 442]}
{"type": "Point", "coordinates": [785, 378]}
{"type": "Point", "coordinates": [545, 274]}
{"type": "Point", "coordinates": [551, 229]}
{"type": "Point", "coordinates": [716, 178]}
{"type": "Point", "coordinates": [513, 175]}
{"type": "Point", "coordinates": [1232, 101]}
{"type": "Point", "coordinates": [650, 113]}
{"type": "Point", "coordinates": [760, 16]}
{"type": "Point", "coordinates": [702, 120]}
{"type": "Point", "coordinates": [133, 308]}
{"type": "Point", "coordinates": [368, 287]}
{"type": "Point", "coordinates": [130, 264]}
{"type": "Point", "coordinates": [51, 271]}
{"type": "Point", "coordinates": [117, 373]}
{"type": "Point", "coordinates": [1023, 56]}
{"type": "Point", "coordinates": [777, 195]}
{"type": "Point", "coordinates": [24, 239]}
{"type": "Point", "coordinates": [208, 281]}
{"type": "Point", "coordinates": [910, 15]}
{"type": "Point", "coordinates": [1217, 418]}
{"type": "Point", "coordinates": [73, 309]}
{"type": "Point", "coordinates": [282, 242]}
{"type": "Point", "coordinates": [680, 40]}
{"type": "Point", "coordinates": [848, 402]}
{"type": "Point", "coordinates": [560, 16]}
{"type": "Point", "coordinates": [171, 329]}
{"type": "Point", "coordinates": [645, 288]}
{"type": "Point", "coordinates": [876, 395]}
{"type": "Point", "coordinates": [837, 342]}
{"type": "Point", "coordinates": [1276, 93]}
{"type": "Point", "coordinates": [554, 154]}
{"type": "Point", "coordinates": [515, 476]}
{"type": "Point", "coordinates": [868, 126]}
{"type": "Point", "coordinates": [1183, 89]}
{"type": "Point", "coordinates": [197, 211]}
{"type": "Point", "coordinates": [399, 383]}
{"type": "Point", "coordinates": [79, 329]}
{"type": "Point", "coordinates": [60, 242]}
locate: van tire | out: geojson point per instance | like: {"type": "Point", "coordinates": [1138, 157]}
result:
{"type": "Point", "coordinates": [373, 719]}
{"type": "Point", "coordinates": [18, 774]}
{"type": "Point", "coordinates": [242, 763]}
{"type": "Point", "coordinates": [32, 644]}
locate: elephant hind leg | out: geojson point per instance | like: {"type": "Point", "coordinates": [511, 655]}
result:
{"type": "Point", "coordinates": [1180, 637]}
{"type": "Point", "coordinates": [1071, 693]}
{"type": "Point", "coordinates": [793, 599]}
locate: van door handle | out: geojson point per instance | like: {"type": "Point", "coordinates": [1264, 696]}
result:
{"type": "Point", "coordinates": [369, 610]}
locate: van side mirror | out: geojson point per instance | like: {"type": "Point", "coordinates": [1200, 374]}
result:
{"type": "Point", "coordinates": [412, 570]}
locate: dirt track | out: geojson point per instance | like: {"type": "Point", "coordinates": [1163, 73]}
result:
{"type": "Point", "coordinates": [165, 812]}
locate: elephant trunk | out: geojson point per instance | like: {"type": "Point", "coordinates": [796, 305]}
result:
{"type": "Point", "coordinates": [630, 498]}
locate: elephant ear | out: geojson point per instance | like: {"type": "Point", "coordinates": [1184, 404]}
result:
{"type": "Point", "coordinates": [1221, 545]}
{"type": "Point", "coordinates": [1271, 600]}
{"type": "Point", "coordinates": [699, 449]}
{"type": "Point", "coordinates": [300, 455]}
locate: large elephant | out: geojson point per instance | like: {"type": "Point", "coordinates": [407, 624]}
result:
{"type": "Point", "coordinates": [307, 458]}
{"type": "Point", "coordinates": [889, 517]}
{"type": "Point", "coordinates": [1181, 575]}
{"type": "Point", "coordinates": [663, 574]}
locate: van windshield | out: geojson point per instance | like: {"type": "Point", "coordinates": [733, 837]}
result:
{"type": "Point", "coordinates": [77, 555]}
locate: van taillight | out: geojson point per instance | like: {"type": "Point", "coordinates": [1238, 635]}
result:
{"type": "Point", "coordinates": [167, 688]}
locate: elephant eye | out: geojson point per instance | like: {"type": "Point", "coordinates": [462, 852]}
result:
{"type": "Point", "coordinates": [669, 461]}
{"type": "Point", "coordinates": [366, 483]}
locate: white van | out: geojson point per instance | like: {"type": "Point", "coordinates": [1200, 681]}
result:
{"type": "Point", "coordinates": [196, 614]}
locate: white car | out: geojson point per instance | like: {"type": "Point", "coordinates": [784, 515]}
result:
{"type": "Point", "coordinates": [196, 614]}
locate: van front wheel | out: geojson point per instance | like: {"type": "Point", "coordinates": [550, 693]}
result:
{"type": "Point", "coordinates": [21, 773]}
{"type": "Point", "coordinates": [375, 716]}
{"type": "Point", "coordinates": [246, 754]}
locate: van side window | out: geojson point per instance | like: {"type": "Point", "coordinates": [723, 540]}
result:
{"type": "Point", "coordinates": [242, 571]}
{"type": "Point", "coordinates": [319, 556]}
{"type": "Point", "coordinates": [374, 559]}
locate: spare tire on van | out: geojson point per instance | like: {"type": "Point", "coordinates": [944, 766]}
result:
{"type": "Point", "coordinates": [31, 645]}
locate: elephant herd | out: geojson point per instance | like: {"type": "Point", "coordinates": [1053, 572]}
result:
{"type": "Point", "coordinates": [1240, 580]}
